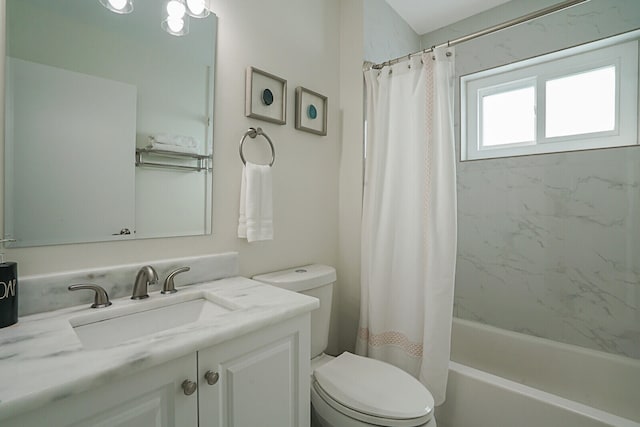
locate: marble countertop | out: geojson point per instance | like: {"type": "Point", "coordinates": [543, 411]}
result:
{"type": "Point", "coordinates": [42, 359]}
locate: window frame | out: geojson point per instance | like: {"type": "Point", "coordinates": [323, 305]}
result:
{"type": "Point", "coordinates": [620, 51]}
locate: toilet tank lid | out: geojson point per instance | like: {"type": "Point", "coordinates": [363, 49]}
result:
{"type": "Point", "coordinates": [300, 279]}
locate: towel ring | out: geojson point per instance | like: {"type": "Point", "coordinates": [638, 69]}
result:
{"type": "Point", "coordinates": [252, 133]}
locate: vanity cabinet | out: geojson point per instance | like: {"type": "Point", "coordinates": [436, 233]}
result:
{"type": "Point", "coordinates": [261, 379]}
{"type": "Point", "coordinates": [151, 398]}
{"type": "Point", "coordinates": [258, 379]}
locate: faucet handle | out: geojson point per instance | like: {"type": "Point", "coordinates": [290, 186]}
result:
{"type": "Point", "coordinates": [101, 298]}
{"type": "Point", "coordinates": [169, 287]}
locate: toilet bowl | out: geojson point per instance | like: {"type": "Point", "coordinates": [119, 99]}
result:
{"type": "Point", "coordinates": [351, 390]}
{"type": "Point", "coordinates": [355, 391]}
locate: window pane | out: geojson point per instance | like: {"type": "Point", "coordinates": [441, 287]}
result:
{"type": "Point", "coordinates": [508, 117]}
{"type": "Point", "coordinates": [582, 103]}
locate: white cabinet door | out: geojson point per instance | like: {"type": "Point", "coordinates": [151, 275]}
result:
{"type": "Point", "coordinates": [152, 398]}
{"type": "Point", "coordinates": [263, 379]}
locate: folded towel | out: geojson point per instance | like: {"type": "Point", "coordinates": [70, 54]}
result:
{"type": "Point", "coordinates": [177, 140]}
{"type": "Point", "coordinates": [174, 148]}
{"type": "Point", "coordinates": [256, 203]}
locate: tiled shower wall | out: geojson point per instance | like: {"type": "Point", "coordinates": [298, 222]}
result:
{"type": "Point", "coordinates": [386, 34]}
{"type": "Point", "coordinates": [549, 245]}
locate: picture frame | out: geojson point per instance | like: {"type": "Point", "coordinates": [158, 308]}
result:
{"type": "Point", "coordinates": [265, 96]}
{"type": "Point", "coordinates": [311, 111]}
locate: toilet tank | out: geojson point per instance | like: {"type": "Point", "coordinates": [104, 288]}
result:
{"type": "Point", "coordinates": [315, 280]}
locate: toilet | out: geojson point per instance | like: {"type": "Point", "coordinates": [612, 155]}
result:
{"type": "Point", "coordinates": [350, 390]}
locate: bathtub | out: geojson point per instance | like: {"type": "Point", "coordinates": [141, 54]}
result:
{"type": "Point", "coordinates": [499, 378]}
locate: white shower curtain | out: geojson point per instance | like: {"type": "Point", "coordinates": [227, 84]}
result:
{"type": "Point", "coordinates": [409, 218]}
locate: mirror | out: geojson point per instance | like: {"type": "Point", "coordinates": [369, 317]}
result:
{"type": "Point", "coordinates": [87, 89]}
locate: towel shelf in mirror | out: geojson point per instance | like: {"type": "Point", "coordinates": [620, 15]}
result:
{"type": "Point", "coordinates": [203, 161]}
{"type": "Point", "coordinates": [252, 133]}
{"type": "Point", "coordinates": [109, 106]}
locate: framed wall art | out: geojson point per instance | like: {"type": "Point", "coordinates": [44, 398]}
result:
{"type": "Point", "coordinates": [266, 96]}
{"type": "Point", "coordinates": [311, 111]}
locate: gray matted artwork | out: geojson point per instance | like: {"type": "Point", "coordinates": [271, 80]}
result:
{"type": "Point", "coordinates": [311, 111]}
{"type": "Point", "coordinates": [266, 96]}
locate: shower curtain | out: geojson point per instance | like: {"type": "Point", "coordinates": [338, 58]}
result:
{"type": "Point", "coordinates": [409, 218]}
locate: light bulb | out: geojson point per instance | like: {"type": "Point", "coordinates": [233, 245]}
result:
{"type": "Point", "coordinates": [196, 7]}
{"type": "Point", "coordinates": [118, 4]}
{"type": "Point", "coordinates": [175, 9]}
{"type": "Point", "coordinates": [120, 7]}
{"type": "Point", "coordinates": [175, 24]}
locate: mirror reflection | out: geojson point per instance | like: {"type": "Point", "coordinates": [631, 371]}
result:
{"type": "Point", "coordinates": [109, 121]}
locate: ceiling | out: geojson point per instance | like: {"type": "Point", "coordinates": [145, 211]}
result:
{"type": "Point", "coordinates": [425, 16]}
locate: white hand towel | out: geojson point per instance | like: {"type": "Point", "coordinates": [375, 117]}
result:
{"type": "Point", "coordinates": [256, 203]}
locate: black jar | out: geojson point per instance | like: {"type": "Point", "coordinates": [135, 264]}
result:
{"type": "Point", "coordinates": [8, 293]}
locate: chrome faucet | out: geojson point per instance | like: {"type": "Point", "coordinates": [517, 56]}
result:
{"type": "Point", "coordinates": [146, 276]}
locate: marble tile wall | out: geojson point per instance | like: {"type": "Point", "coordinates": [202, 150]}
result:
{"type": "Point", "coordinates": [549, 245]}
{"type": "Point", "coordinates": [47, 292]}
{"type": "Point", "coordinates": [386, 34]}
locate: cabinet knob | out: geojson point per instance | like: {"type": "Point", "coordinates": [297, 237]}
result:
{"type": "Point", "coordinates": [189, 387]}
{"type": "Point", "coordinates": [211, 377]}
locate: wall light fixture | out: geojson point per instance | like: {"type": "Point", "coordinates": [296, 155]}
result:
{"type": "Point", "coordinates": [178, 12]}
{"type": "Point", "coordinates": [177, 21]}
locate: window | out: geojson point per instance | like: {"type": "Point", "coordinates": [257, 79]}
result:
{"type": "Point", "coordinates": [580, 98]}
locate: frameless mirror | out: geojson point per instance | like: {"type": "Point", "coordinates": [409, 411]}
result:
{"type": "Point", "coordinates": [87, 90]}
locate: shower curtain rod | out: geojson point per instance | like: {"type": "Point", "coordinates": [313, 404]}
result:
{"type": "Point", "coordinates": [529, 17]}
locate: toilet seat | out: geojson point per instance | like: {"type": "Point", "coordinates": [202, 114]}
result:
{"type": "Point", "coordinates": [318, 393]}
{"type": "Point", "coordinates": [373, 391]}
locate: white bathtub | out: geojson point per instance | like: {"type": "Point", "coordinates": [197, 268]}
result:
{"type": "Point", "coordinates": [499, 378]}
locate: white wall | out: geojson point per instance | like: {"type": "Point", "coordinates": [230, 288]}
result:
{"type": "Point", "coordinates": [299, 41]}
{"type": "Point", "coordinates": [547, 244]}
{"type": "Point", "coordinates": [351, 170]}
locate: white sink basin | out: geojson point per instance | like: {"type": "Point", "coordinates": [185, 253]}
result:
{"type": "Point", "coordinates": [96, 331]}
